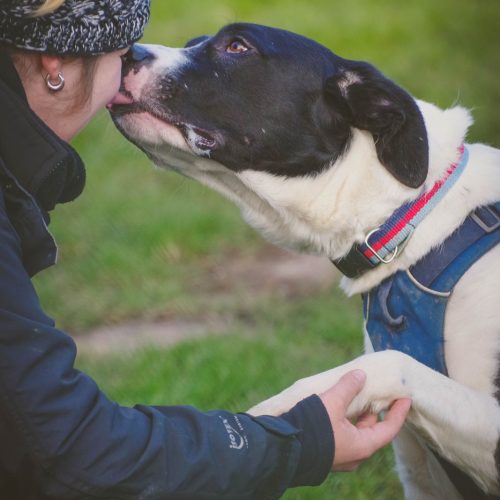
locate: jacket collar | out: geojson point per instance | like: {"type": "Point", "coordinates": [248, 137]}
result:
{"type": "Point", "coordinates": [44, 165]}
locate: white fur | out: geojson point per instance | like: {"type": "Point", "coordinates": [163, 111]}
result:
{"type": "Point", "coordinates": [152, 130]}
{"type": "Point", "coordinates": [346, 80]}
{"type": "Point", "coordinates": [145, 126]}
{"type": "Point", "coordinates": [168, 61]}
{"type": "Point", "coordinates": [325, 214]}
{"type": "Point", "coordinates": [458, 415]}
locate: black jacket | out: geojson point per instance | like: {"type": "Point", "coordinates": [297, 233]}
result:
{"type": "Point", "coordinates": [60, 436]}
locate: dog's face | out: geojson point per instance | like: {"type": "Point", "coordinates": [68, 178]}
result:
{"type": "Point", "coordinates": [267, 100]}
{"type": "Point", "coordinates": [271, 120]}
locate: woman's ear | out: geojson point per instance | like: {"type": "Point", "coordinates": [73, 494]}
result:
{"type": "Point", "coordinates": [369, 101]}
{"type": "Point", "coordinates": [51, 65]}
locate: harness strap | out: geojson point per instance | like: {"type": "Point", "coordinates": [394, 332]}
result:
{"type": "Point", "coordinates": [479, 233]}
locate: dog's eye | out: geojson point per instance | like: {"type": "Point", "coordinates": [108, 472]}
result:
{"type": "Point", "coordinates": [236, 47]}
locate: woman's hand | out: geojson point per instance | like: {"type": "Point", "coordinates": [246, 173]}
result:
{"type": "Point", "coordinates": [355, 442]}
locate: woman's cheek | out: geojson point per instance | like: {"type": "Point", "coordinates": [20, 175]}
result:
{"type": "Point", "coordinates": [117, 77]}
{"type": "Point", "coordinates": [109, 85]}
{"type": "Point", "coordinates": [116, 83]}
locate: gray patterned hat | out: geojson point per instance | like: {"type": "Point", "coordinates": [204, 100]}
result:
{"type": "Point", "coordinates": [77, 27]}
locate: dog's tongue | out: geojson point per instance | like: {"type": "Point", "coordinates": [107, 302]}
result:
{"type": "Point", "coordinates": [119, 98]}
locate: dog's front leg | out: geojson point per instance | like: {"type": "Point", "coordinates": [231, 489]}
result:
{"type": "Point", "coordinates": [463, 425]}
{"type": "Point", "coordinates": [385, 383]}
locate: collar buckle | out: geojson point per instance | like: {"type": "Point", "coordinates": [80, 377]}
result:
{"type": "Point", "coordinates": [392, 253]}
{"type": "Point", "coordinates": [385, 260]}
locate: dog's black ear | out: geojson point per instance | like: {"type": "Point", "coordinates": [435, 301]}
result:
{"type": "Point", "coordinates": [369, 101]}
{"type": "Point", "coordinates": [196, 41]}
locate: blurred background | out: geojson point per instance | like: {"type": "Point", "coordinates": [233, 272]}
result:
{"type": "Point", "coordinates": [172, 299]}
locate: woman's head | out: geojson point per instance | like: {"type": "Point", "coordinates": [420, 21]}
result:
{"type": "Point", "coordinates": [80, 41]}
{"type": "Point", "coordinates": [89, 84]}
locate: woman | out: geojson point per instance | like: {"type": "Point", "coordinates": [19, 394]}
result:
{"type": "Point", "coordinates": [60, 436]}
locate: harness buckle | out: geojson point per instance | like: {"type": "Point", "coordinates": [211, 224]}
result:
{"type": "Point", "coordinates": [486, 218]}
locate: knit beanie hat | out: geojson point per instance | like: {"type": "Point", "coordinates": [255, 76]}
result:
{"type": "Point", "coordinates": [77, 27]}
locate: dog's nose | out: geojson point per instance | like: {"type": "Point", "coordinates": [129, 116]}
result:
{"type": "Point", "coordinates": [138, 54]}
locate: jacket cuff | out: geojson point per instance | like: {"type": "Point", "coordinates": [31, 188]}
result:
{"type": "Point", "coordinates": [316, 439]}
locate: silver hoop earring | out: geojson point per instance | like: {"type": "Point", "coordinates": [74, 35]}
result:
{"type": "Point", "coordinates": [57, 85]}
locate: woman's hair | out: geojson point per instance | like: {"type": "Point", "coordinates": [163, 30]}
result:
{"type": "Point", "coordinates": [48, 6]}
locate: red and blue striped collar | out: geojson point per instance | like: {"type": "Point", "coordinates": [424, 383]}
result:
{"type": "Point", "coordinates": [384, 243]}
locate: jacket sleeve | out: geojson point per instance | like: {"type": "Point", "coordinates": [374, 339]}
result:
{"type": "Point", "coordinates": [60, 430]}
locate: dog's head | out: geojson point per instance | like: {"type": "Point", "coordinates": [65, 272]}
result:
{"type": "Point", "coordinates": [264, 99]}
{"type": "Point", "coordinates": [307, 143]}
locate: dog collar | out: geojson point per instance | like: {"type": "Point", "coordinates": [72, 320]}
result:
{"type": "Point", "coordinates": [384, 243]}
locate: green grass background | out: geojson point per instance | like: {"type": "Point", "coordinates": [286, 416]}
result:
{"type": "Point", "coordinates": [138, 240]}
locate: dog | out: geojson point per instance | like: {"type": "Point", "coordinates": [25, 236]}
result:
{"type": "Point", "coordinates": [318, 152]}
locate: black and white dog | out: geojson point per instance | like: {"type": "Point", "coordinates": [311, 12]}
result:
{"type": "Point", "coordinates": [318, 152]}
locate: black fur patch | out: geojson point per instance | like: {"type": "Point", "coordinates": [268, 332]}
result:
{"type": "Point", "coordinates": [497, 459]}
{"type": "Point", "coordinates": [371, 102]}
{"type": "Point", "coordinates": [497, 384]}
{"type": "Point", "coordinates": [468, 489]}
{"type": "Point", "coordinates": [275, 106]}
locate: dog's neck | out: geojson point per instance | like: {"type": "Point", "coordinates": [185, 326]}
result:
{"type": "Point", "coordinates": [446, 131]}
{"type": "Point", "coordinates": [328, 213]}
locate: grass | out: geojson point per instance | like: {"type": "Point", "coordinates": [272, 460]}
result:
{"type": "Point", "coordinates": [135, 243]}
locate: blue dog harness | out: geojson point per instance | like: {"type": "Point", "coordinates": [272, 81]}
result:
{"type": "Point", "coordinates": [406, 311]}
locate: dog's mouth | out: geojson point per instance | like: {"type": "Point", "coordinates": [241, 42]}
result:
{"type": "Point", "coordinates": [201, 141]}
{"type": "Point", "coordinates": [122, 98]}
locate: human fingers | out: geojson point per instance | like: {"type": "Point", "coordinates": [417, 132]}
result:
{"type": "Point", "coordinates": [367, 420]}
{"type": "Point", "coordinates": [338, 398]}
{"type": "Point", "coordinates": [382, 433]}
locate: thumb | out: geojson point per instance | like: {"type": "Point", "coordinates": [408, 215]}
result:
{"type": "Point", "coordinates": [345, 390]}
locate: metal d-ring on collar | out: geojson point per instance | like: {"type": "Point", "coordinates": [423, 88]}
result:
{"type": "Point", "coordinates": [395, 252]}
{"type": "Point", "coordinates": [385, 260]}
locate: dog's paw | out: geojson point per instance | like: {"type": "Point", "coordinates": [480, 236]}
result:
{"type": "Point", "coordinates": [282, 402]}
{"type": "Point", "coordinates": [385, 382]}
{"type": "Point", "coordinates": [364, 403]}
{"type": "Point", "coordinates": [268, 407]}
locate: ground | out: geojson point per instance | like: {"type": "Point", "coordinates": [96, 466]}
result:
{"type": "Point", "coordinates": [269, 272]}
